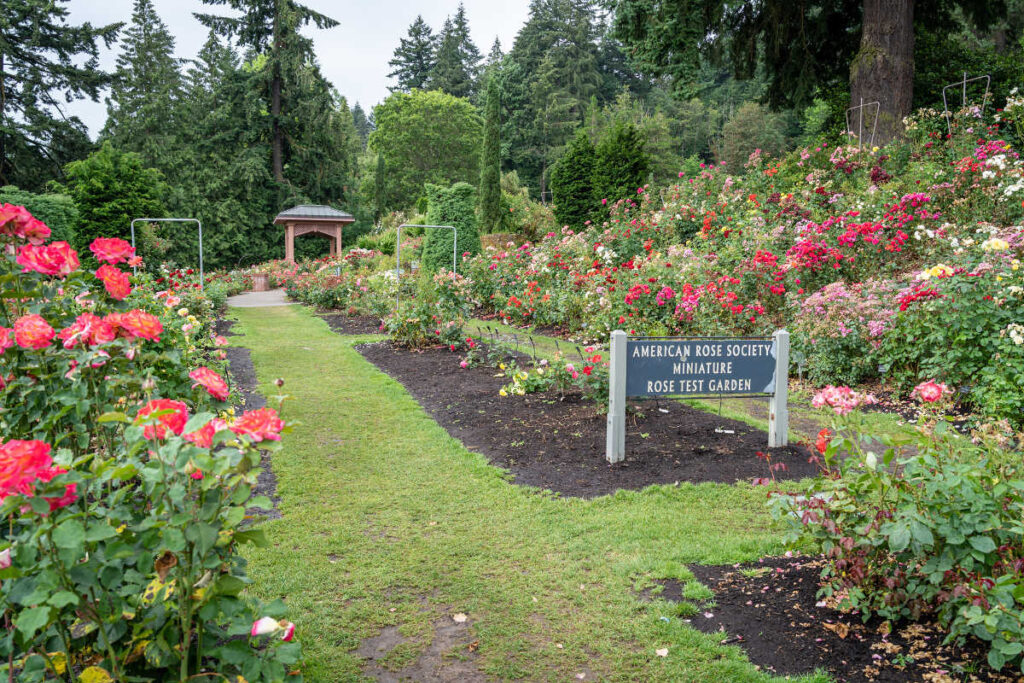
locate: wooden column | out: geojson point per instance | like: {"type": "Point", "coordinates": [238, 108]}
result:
{"type": "Point", "coordinates": [289, 242]}
{"type": "Point", "coordinates": [338, 248]}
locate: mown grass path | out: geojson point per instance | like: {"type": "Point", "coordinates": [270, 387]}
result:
{"type": "Point", "coordinates": [388, 521]}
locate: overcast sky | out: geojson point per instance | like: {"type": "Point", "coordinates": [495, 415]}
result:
{"type": "Point", "coordinates": [353, 56]}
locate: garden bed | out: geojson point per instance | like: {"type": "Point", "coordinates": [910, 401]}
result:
{"type": "Point", "coordinates": [342, 323]}
{"type": "Point", "coordinates": [559, 443]}
{"type": "Point", "coordinates": [770, 609]}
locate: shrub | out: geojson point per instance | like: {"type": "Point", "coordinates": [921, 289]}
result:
{"type": "Point", "coordinates": [455, 206]}
{"type": "Point", "coordinates": [125, 478]}
{"type": "Point", "coordinates": [924, 528]}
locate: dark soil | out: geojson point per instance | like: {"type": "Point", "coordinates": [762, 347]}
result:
{"type": "Point", "coordinates": [343, 323]}
{"type": "Point", "coordinates": [559, 443]}
{"type": "Point", "coordinates": [775, 616]}
{"type": "Point", "coordinates": [242, 376]}
{"type": "Point", "coordinates": [448, 658]}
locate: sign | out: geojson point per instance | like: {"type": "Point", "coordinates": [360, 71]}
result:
{"type": "Point", "coordinates": [667, 367]}
{"type": "Point", "coordinates": [653, 366]}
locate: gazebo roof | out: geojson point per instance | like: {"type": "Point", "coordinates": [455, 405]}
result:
{"type": "Point", "coordinates": [313, 212]}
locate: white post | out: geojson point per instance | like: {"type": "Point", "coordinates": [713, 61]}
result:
{"type": "Point", "coordinates": [616, 448]}
{"type": "Point", "coordinates": [778, 409]}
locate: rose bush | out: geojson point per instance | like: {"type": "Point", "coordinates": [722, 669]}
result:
{"type": "Point", "coordinates": [125, 479]}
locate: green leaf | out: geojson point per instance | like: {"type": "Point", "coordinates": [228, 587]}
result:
{"type": "Point", "coordinates": [899, 539]}
{"type": "Point", "coordinates": [254, 536]}
{"type": "Point", "coordinates": [113, 417]}
{"type": "Point", "coordinates": [70, 534]}
{"type": "Point", "coordinates": [33, 619]}
{"type": "Point", "coordinates": [63, 599]}
{"type": "Point", "coordinates": [99, 532]}
{"type": "Point", "coordinates": [983, 544]}
{"type": "Point", "coordinates": [921, 533]}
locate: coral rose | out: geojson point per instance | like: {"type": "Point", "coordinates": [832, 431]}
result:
{"type": "Point", "coordinates": [211, 381]}
{"type": "Point", "coordinates": [136, 323]}
{"type": "Point", "coordinates": [113, 250]}
{"type": "Point", "coordinates": [174, 420]}
{"type": "Point", "coordinates": [21, 463]}
{"type": "Point", "coordinates": [52, 259]}
{"type": "Point", "coordinates": [88, 329]}
{"type": "Point", "coordinates": [32, 332]}
{"type": "Point", "coordinates": [259, 424]}
{"type": "Point", "coordinates": [6, 341]}
{"type": "Point", "coordinates": [117, 283]}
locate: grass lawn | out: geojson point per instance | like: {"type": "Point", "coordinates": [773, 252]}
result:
{"type": "Point", "coordinates": [388, 521]}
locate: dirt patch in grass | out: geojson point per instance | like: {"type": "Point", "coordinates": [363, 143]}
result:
{"type": "Point", "coordinates": [242, 378]}
{"type": "Point", "coordinates": [343, 323]}
{"type": "Point", "coordinates": [559, 443]}
{"type": "Point", "coordinates": [770, 609]}
{"type": "Point", "coordinates": [449, 656]}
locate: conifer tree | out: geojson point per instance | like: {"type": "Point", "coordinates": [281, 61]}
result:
{"type": "Point", "coordinates": [41, 69]}
{"type": "Point", "coordinates": [414, 57]}
{"type": "Point", "coordinates": [146, 91]}
{"type": "Point", "coordinates": [362, 123]}
{"type": "Point", "coordinates": [458, 59]}
{"type": "Point", "coordinates": [490, 162]}
{"type": "Point", "coordinates": [620, 165]}
{"type": "Point", "coordinates": [380, 189]}
{"type": "Point", "coordinates": [271, 26]}
{"type": "Point", "coordinates": [572, 182]}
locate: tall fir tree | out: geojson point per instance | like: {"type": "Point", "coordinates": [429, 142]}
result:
{"type": "Point", "coordinates": [362, 123]}
{"type": "Point", "coordinates": [414, 57]}
{"type": "Point", "coordinates": [271, 27]}
{"type": "Point", "coordinates": [621, 165]}
{"type": "Point", "coordinates": [146, 92]}
{"type": "Point", "coordinates": [458, 60]}
{"type": "Point", "coordinates": [572, 182]}
{"type": "Point", "coordinates": [490, 161]}
{"type": "Point", "coordinates": [44, 63]}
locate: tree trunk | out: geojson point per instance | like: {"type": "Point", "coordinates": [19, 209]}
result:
{"type": "Point", "coordinates": [883, 70]}
{"type": "Point", "coordinates": [3, 133]}
{"type": "Point", "coordinates": [276, 143]}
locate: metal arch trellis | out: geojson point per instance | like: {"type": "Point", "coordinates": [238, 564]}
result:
{"type": "Point", "coordinates": [963, 96]}
{"type": "Point", "coordinates": [860, 124]}
{"type": "Point", "coordinates": [398, 250]}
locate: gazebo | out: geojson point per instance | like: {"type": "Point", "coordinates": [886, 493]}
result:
{"type": "Point", "coordinates": [312, 219]}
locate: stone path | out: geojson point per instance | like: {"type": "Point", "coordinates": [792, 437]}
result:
{"type": "Point", "coordinates": [275, 297]}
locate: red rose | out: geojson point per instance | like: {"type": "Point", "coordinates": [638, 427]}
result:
{"type": "Point", "coordinates": [174, 420]}
{"type": "Point", "coordinates": [88, 329]}
{"type": "Point", "coordinates": [203, 437]}
{"type": "Point", "coordinates": [113, 250]}
{"type": "Point", "coordinates": [824, 437]}
{"type": "Point", "coordinates": [32, 332]}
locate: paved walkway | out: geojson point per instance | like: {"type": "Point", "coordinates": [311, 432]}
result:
{"type": "Point", "coordinates": [275, 297]}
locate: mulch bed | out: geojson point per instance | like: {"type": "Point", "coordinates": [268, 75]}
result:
{"type": "Point", "coordinates": [342, 323]}
{"type": "Point", "coordinates": [559, 443]}
{"type": "Point", "coordinates": [777, 619]}
{"type": "Point", "coordinates": [242, 376]}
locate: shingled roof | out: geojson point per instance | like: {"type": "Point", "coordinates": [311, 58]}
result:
{"type": "Point", "coordinates": [313, 212]}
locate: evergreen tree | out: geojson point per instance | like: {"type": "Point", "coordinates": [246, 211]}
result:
{"type": "Point", "coordinates": [455, 206]}
{"type": "Point", "coordinates": [414, 57]}
{"type": "Point", "coordinates": [362, 124]}
{"type": "Point", "coordinates": [495, 55]}
{"type": "Point", "coordinates": [271, 26]}
{"type": "Point", "coordinates": [146, 91]}
{"type": "Point", "coordinates": [41, 67]}
{"type": "Point", "coordinates": [490, 162]}
{"type": "Point", "coordinates": [458, 59]}
{"type": "Point", "coordinates": [620, 165]}
{"type": "Point", "coordinates": [572, 182]}
{"type": "Point", "coordinates": [110, 188]}
{"type": "Point", "coordinates": [380, 189]}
